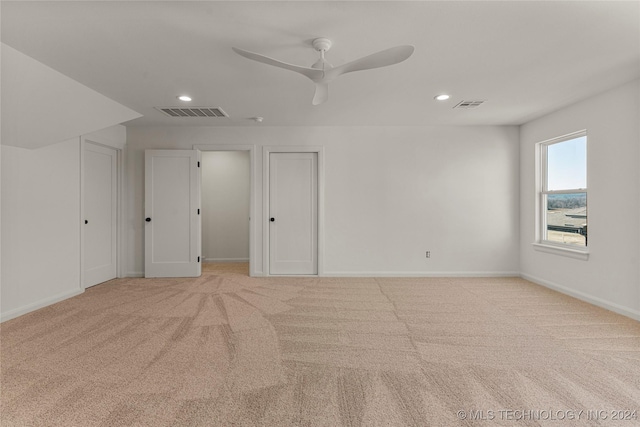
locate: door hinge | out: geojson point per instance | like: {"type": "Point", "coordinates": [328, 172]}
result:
{"type": "Point", "coordinates": [198, 164]}
{"type": "Point", "coordinates": [198, 259]}
{"type": "Point", "coordinates": [198, 211]}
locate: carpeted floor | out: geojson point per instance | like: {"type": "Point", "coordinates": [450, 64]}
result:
{"type": "Point", "coordinates": [228, 350]}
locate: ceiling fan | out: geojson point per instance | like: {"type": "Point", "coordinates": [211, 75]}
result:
{"type": "Point", "coordinates": [322, 72]}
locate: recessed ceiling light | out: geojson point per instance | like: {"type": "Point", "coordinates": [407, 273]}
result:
{"type": "Point", "coordinates": [442, 97]}
{"type": "Point", "coordinates": [184, 98]}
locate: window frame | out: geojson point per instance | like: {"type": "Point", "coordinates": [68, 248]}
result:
{"type": "Point", "coordinates": [542, 192]}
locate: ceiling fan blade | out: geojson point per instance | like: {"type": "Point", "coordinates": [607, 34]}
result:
{"type": "Point", "coordinates": [322, 93]}
{"type": "Point", "coordinates": [312, 73]}
{"type": "Point", "coordinates": [383, 58]}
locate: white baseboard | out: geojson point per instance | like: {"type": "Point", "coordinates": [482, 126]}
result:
{"type": "Point", "coordinates": [420, 274]}
{"type": "Point", "coordinates": [12, 314]}
{"type": "Point", "coordinates": [226, 260]}
{"type": "Point", "coordinates": [617, 308]}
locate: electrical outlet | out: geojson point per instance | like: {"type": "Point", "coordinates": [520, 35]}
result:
{"type": "Point", "coordinates": [428, 253]}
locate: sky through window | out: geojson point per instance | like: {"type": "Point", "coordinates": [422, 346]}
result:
{"type": "Point", "coordinates": [567, 164]}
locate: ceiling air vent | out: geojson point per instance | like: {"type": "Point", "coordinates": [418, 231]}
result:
{"type": "Point", "coordinates": [467, 105]}
{"type": "Point", "coordinates": [212, 112]}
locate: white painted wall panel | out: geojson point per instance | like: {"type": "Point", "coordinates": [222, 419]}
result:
{"type": "Point", "coordinates": [611, 276]}
{"type": "Point", "coordinates": [40, 226]}
{"type": "Point", "coordinates": [112, 136]}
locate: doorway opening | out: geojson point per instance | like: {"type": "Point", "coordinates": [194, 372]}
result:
{"type": "Point", "coordinates": [226, 203]}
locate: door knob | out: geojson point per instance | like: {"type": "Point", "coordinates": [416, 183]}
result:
{"type": "Point", "coordinates": [272, 219]}
{"type": "Point", "coordinates": [148, 219]}
{"type": "Point", "coordinates": [86, 222]}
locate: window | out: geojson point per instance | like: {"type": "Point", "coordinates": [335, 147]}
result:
{"type": "Point", "coordinates": [563, 192]}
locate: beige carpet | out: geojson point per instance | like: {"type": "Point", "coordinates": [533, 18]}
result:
{"type": "Point", "coordinates": [228, 350]}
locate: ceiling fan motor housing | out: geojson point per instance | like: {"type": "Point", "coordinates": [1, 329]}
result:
{"type": "Point", "coordinates": [321, 44]}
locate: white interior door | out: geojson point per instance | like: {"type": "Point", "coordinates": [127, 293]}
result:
{"type": "Point", "coordinates": [172, 213]}
{"type": "Point", "coordinates": [99, 207]}
{"type": "Point", "coordinates": [293, 218]}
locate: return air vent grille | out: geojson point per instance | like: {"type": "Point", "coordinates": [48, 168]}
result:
{"type": "Point", "coordinates": [467, 105]}
{"type": "Point", "coordinates": [211, 112]}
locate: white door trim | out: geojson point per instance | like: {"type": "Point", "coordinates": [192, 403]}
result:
{"type": "Point", "coordinates": [119, 206]}
{"type": "Point", "coordinates": [266, 151]}
{"type": "Point", "coordinates": [252, 197]}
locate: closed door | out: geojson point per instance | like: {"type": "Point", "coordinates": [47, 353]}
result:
{"type": "Point", "coordinates": [99, 207]}
{"type": "Point", "coordinates": [172, 213]}
{"type": "Point", "coordinates": [293, 219]}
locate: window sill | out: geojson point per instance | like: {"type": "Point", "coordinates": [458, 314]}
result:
{"type": "Point", "coordinates": [559, 250]}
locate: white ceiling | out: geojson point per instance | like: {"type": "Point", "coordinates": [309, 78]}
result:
{"type": "Point", "coordinates": [525, 59]}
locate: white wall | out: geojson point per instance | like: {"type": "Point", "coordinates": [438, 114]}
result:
{"type": "Point", "coordinates": [40, 210]}
{"type": "Point", "coordinates": [225, 205]}
{"type": "Point", "coordinates": [40, 226]}
{"type": "Point", "coordinates": [391, 193]}
{"type": "Point", "coordinates": [611, 275]}
{"type": "Point", "coordinates": [113, 136]}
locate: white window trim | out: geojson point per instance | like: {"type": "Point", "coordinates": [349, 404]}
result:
{"type": "Point", "coordinates": [541, 244]}
{"type": "Point", "coordinates": [556, 249]}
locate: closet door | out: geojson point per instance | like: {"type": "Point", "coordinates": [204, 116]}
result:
{"type": "Point", "coordinates": [100, 221]}
{"type": "Point", "coordinates": [172, 213]}
{"type": "Point", "coordinates": [293, 208]}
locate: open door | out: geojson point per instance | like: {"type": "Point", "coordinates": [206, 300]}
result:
{"type": "Point", "coordinates": [172, 213]}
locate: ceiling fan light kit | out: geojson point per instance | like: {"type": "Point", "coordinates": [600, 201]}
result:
{"type": "Point", "coordinates": [322, 72]}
